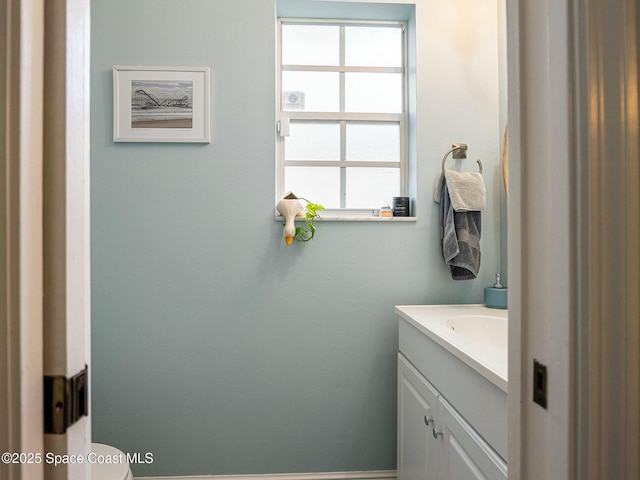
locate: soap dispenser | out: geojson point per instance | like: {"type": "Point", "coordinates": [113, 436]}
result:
{"type": "Point", "coordinates": [496, 296]}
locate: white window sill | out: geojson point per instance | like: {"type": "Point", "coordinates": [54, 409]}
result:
{"type": "Point", "coordinates": [353, 218]}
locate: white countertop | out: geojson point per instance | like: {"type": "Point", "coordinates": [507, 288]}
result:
{"type": "Point", "coordinates": [488, 360]}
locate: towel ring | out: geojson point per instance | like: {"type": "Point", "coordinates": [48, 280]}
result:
{"type": "Point", "coordinates": [459, 150]}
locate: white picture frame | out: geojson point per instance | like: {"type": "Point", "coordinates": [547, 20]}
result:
{"type": "Point", "coordinates": [161, 104]}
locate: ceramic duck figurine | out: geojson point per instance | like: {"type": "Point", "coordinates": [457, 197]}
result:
{"type": "Point", "coordinates": [289, 206]}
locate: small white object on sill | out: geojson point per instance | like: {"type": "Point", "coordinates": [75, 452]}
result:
{"type": "Point", "coordinates": [385, 212]}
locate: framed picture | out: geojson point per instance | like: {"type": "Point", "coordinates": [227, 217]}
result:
{"type": "Point", "coordinates": [161, 104]}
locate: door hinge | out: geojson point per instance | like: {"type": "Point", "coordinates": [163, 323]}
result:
{"type": "Point", "coordinates": [66, 400]}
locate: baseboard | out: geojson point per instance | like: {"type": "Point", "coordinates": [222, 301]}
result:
{"type": "Point", "coordinates": [364, 475]}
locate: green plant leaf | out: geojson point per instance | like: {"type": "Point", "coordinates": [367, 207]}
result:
{"type": "Point", "coordinates": [308, 231]}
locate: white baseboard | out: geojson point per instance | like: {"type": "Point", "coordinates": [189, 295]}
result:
{"type": "Point", "coordinates": [364, 475]}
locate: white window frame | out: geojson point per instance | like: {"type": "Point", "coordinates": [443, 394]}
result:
{"type": "Point", "coordinates": [283, 118]}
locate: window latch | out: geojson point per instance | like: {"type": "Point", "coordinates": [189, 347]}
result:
{"type": "Point", "coordinates": [282, 126]}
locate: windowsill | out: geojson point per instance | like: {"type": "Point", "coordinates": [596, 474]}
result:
{"type": "Point", "coordinates": [353, 218]}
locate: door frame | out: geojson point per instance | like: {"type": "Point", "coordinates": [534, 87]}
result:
{"type": "Point", "coordinates": [573, 304]}
{"type": "Point", "coordinates": [44, 227]}
{"type": "Point", "coordinates": [66, 223]}
{"type": "Point", "coordinates": [21, 277]}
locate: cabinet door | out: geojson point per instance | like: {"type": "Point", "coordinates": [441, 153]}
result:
{"type": "Point", "coordinates": [419, 453]}
{"type": "Point", "coordinates": [467, 456]}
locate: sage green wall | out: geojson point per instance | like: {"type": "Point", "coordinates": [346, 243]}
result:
{"type": "Point", "coordinates": [216, 347]}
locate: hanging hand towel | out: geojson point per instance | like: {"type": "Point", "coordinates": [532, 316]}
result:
{"type": "Point", "coordinates": [466, 190]}
{"type": "Point", "coordinates": [460, 239]}
{"type": "Point", "coordinates": [437, 188]}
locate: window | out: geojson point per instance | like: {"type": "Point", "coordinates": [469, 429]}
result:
{"type": "Point", "coordinates": [342, 113]}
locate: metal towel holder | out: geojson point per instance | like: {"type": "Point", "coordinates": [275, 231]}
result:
{"type": "Point", "coordinates": [459, 151]}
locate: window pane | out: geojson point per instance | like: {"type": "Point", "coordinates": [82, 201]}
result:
{"type": "Point", "coordinates": [321, 90]}
{"type": "Point", "coordinates": [373, 46]}
{"type": "Point", "coordinates": [310, 45]}
{"type": "Point", "coordinates": [316, 184]}
{"type": "Point", "coordinates": [372, 187]}
{"type": "Point", "coordinates": [374, 92]}
{"type": "Point", "coordinates": [313, 141]}
{"type": "Point", "coordinates": [370, 141]}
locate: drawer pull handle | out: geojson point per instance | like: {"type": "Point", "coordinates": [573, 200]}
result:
{"type": "Point", "coordinates": [427, 420]}
{"type": "Point", "coordinates": [436, 432]}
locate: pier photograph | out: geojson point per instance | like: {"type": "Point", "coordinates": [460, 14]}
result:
{"type": "Point", "coordinates": [161, 104]}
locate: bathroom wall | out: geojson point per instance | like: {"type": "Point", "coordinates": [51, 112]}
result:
{"type": "Point", "coordinates": [216, 347]}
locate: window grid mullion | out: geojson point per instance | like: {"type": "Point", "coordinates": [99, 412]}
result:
{"type": "Point", "coordinates": [347, 116]}
{"type": "Point", "coordinates": [338, 163]}
{"type": "Point", "coordinates": [343, 168]}
{"type": "Point", "coordinates": [340, 69]}
{"type": "Point", "coordinates": [343, 124]}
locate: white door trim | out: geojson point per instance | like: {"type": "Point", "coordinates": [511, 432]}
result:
{"type": "Point", "coordinates": [514, 247]}
{"type": "Point", "coordinates": [540, 223]}
{"type": "Point", "coordinates": [29, 249]}
{"type": "Point", "coordinates": [67, 299]}
{"type": "Point", "coordinates": [21, 286]}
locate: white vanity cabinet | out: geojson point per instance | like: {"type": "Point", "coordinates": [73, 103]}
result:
{"type": "Point", "coordinates": [434, 441]}
{"type": "Point", "coordinates": [451, 419]}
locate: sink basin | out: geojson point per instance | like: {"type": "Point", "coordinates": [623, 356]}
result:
{"type": "Point", "coordinates": [487, 329]}
{"type": "Point", "coordinates": [475, 334]}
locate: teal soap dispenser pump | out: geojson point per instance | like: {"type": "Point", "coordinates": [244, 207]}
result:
{"type": "Point", "coordinates": [496, 296]}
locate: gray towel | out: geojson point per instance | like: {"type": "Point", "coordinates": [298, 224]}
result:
{"type": "Point", "coordinates": [460, 239]}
